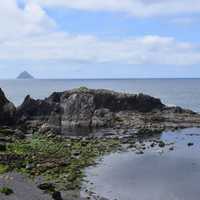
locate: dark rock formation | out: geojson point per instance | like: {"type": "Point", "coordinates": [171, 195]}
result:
{"type": "Point", "coordinates": [82, 109]}
{"type": "Point", "coordinates": [7, 110]}
{"type": "Point", "coordinates": [42, 114]}
{"type": "Point", "coordinates": [88, 109]}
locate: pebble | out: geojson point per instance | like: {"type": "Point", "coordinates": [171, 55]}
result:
{"type": "Point", "coordinates": [190, 144]}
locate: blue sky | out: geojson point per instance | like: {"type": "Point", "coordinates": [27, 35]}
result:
{"type": "Point", "coordinates": [100, 39]}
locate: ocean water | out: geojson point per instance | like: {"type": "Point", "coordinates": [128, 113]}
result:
{"type": "Point", "coordinates": [181, 92]}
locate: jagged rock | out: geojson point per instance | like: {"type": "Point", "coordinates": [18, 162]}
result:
{"type": "Point", "coordinates": [31, 108]}
{"type": "Point", "coordinates": [80, 108]}
{"type": "Point", "coordinates": [88, 108]}
{"type": "Point", "coordinates": [7, 110]}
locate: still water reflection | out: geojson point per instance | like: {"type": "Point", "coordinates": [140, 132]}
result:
{"type": "Point", "coordinates": [155, 175]}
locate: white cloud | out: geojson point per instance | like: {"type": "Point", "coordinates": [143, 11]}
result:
{"type": "Point", "coordinates": [139, 8]}
{"type": "Point", "coordinates": [30, 34]}
{"type": "Point", "coordinates": [140, 50]}
{"type": "Point", "coordinates": [16, 22]}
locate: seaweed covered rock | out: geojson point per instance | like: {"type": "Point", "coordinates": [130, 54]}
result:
{"type": "Point", "coordinates": [7, 110]}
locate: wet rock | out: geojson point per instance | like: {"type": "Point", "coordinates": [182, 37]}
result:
{"type": "Point", "coordinates": [2, 146]}
{"type": "Point", "coordinates": [171, 148]}
{"type": "Point", "coordinates": [152, 144]}
{"type": "Point", "coordinates": [7, 110]}
{"type": "Point", "coordinates": [57, 196]}
{"type": "Point", "coordinates": [7, 158]}
{"type": "Point", "coordinates": [19, 134]}
{"type": "Point", "coordinates": [30, 166]}
{"type": "Point", "coordinates": [190, 144]}
{"type": "Point", "coordinates": [161, 144]}
{"type": "Point", "coordinates": [139, 152]}
{"type": "Point", "coordinates": [47, 187]}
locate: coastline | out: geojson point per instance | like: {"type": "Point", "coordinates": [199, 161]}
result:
{"type": "Point", "coordinates": [37, 141]}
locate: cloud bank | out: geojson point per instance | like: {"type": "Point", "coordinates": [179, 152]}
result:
{"type": "Point", "coordinates": [28, 33]}
{"type": "Point", "coordinates": [89, 49]}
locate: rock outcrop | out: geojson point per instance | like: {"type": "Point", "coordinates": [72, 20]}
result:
{"type": "Point", "coordinates": [82, 108]}
{"type": "Point", "coordinates": [90, 109]}
{"type": "Point", "coordinates": [7, 110]}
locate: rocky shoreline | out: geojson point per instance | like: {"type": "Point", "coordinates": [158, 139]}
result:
{"type": "Point", "coordinates": [83, 108]}
{"type": "Point", "coordinates": [57, 137]}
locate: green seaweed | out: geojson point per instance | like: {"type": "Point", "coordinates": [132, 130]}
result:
{"type": "Point", "coordinates": [83, 89]}
{"type": "Point", "coordinates": [6, 190]}
{"type": "Point", "coordinates": [3, 168]}
{"type": "Point", "coordinates": [59, 160]}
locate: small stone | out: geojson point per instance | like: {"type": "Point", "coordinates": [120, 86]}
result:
{"type": "Point", "coordinates": [171, 148]}
{"type": "Point", "coordinates": [161, 144]}
{"type": "Point", "coordinates": [152, 144]}
{"type": "Point", "coordinates": [190, 144]}
{"type": "Point", "coordinates": [57, 196]}
{"type": "Point", "coordinates": [46, 187]}
{"type": "Point", "coordinates": [19, 134]}
{"type": "Point", "coordinates": [29, 166]}
{"type": "Point", "coordinates": [2, 147]}
{"type": "Point", "coordinates": [139, 152]}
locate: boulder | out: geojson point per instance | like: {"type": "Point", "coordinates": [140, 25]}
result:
{"type": "Point", "coordinates": [78, 110]}
{"type": "Point", "coordinates": [7, 110]}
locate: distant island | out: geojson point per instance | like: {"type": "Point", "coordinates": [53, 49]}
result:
{"type": "Point", "coordinates": [25, 75]}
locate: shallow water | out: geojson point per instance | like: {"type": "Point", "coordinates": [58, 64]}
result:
{"type": "Point", "coordinates": [158, 174]}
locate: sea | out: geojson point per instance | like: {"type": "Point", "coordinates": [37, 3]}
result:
{"type": "Point", "coordinates": [158, 174]}
{"type": "Point", "coordinates": [180, 92]}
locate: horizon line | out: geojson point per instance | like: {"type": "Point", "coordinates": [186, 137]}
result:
{"type": "Point", "coordinates": [118, 78]}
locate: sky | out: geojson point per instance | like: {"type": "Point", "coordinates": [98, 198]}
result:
{"type": "Point", "coordinates": [100, 39]}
